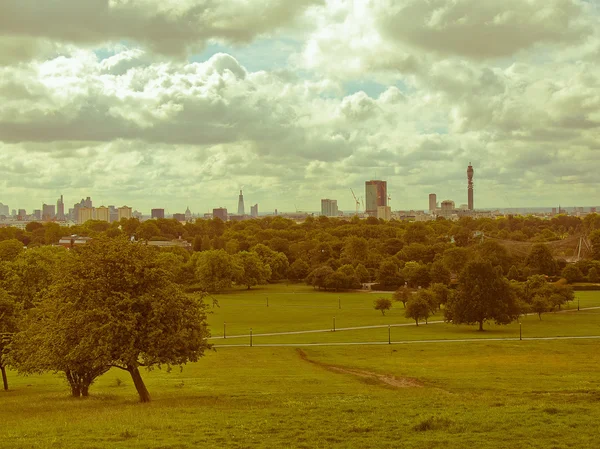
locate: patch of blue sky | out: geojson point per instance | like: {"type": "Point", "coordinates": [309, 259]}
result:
{"type": "Point", "coordinates": [263, 54]}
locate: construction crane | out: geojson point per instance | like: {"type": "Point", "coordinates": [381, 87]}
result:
{"type": "Point", "coordinates": [357, 203]}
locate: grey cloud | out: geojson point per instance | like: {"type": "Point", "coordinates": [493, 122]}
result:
{"type": "Point", "coordinates": [482, 29]}
{"type": "Point", "coordinates": [164, 26]}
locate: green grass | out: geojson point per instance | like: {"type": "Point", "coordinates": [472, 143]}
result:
{"type": "Point", "coordinates": [511, 394]}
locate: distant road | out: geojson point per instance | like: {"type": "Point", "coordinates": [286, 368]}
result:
{"type": "Point", "coordinates": [378, 326]}
{"type": "Point", "coordinates": [406, 342]}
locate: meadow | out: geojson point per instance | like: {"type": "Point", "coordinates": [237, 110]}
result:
{"type": "Point", "coordinates": [480, 393]}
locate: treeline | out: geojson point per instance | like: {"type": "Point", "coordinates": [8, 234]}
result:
{"type": "Point", "coordinates": [335, 254]}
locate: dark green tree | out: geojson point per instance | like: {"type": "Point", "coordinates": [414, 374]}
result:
{"type": "Point", "coordinates": [482, 295]}
{"type": "Point", "coordinates": [113, 306]}
{"type": "Point", "coordinates": [417, 308]}
{"type": "Point", "coordinates": [382, 304]}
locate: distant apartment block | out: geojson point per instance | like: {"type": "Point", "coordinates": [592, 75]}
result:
{"type": "Point", "coordinates": [254, 211]}
{"type": "Point", "coordinates": [329, 208]}
{"type": "Point", "coordinates": [384, 213]}
{"type": "Point", "coordinates": [84, 214]}
{"type": "Point", "coordinates": [103, 214]}
{"type": "Point", "coordinates": [124, 212]}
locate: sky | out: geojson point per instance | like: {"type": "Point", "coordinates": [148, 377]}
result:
{"type": "Point", "coordinates": [176, 103]}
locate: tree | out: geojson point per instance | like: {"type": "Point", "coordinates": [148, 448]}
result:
{"type": "Point", "coordinates": [197, 244]}
{"type": "Point", "coordinates": [205, 245]}
{"type": "Point", "coordinates": [441, 293]}
{"type": "Point", "coordinates": [8, 326]}
{"type": "Point", "coordinates": [403, 294]}
{"type": "Point", "coordinates": [216, 270]}
{"type": "Point", "coordinates": [147, 230]}
{"type": "Point", "coordinates": [10, 249]}
{"type": "Point", "coordinates": [482, 295]}
{"type": "Point", "coordinates": [540, 304]}
{"type": "Point", "coordinates": [513, 273]}
{"type": "Point", "coordinates": [389, 274]}
{"type": "Point", "coordinates": [254, 271]}
{"type": "Point", "coordinates": [455, 259]}
{"type": "Point", "coordinates": [572, 274]}
{"type": "Point", "coordinates": [540, 260]}
{"type": "Point", "coordinates": [382, 304]}
{"type": "Point", "coordinates": [114, 306]}
{"type": "Point", "coordinates": [593, 275]}
{"type": "Point", "coordinates": [298, 270]}
{"type": "Point", "coordinates": [318, 277]}
{"type": "Point", "coordinates": [439, 274]}
{"type": "Point", "coordinates": [417, 308]}
{"type": "Point", "coordinates": [356, 249]}
{"type": "Point", "coordinates": [416, 274]}
{"type": "Point", "coordinates": [362, 273]}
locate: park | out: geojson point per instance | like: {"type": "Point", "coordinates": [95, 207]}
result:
{"type": "Point", "coordinates": [436, 385]}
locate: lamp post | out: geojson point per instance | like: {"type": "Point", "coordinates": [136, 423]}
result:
{"type": "Point", "coordinates": [520, 331]}
{"type": "Point", "coordinates": [389, 334]}
{"type": "Point", "coordinates": [224, 330]}
{"type": "Point", "coordinates": [250, 337]}
{"type": "Point", "coordinates": [333, 324]}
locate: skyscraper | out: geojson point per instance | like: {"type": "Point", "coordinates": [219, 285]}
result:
{"type": "Point", "coordinates": [329, 208]}
{"type": "Point", "coordinates": [375, 196]}
{"type": "Point", "coordinates": [470, 186]}
{"type": "Point", "coordinates": [4, 210]}
{"type": "Point", "coordinates": [60, 209]}
{"type": "Point", "coordinates": [432, 202]}
{"type": "Point", "coordinates": [48, 212]}
{"type": "Point", "coordinates": [157, 213]}
{"type": "Point", "coordinates": [124, 212]}
{"type": "Point", "coordinates": [241, 204]}
{"type": "Point", "coordinates": [254, 211]}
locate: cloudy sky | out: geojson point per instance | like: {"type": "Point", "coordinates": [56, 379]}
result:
{"type": "Point", "coordinates": [170, 103]}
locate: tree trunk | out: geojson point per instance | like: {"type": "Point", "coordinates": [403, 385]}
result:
{"type": "Point", "coordinates": [84, 391]}
{"type": "Point", "coordinates": [417, 321]}
{"type": "Point", "coordinates": [4, 378]}
{"type": "Point", "coordinates": [481, 326]}
{"type": "Point", "coordinates": [75, 391]}
{"type": "Point", "coordinates": [139, 383]}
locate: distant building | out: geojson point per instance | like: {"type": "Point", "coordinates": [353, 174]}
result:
{"type": "Point", "coordinates": [157, 213]}
{"type": "Point", "coordinates": [48, 212]}
{"type": "Point", "coordinates": [384, 212]}
{"type": "Point", "coordinates": [592, 210]}
{"type": "Point", "coordinates": [329, 208]}
{"type": "Point", "coordinates": [188, 214]}
{"type": "Point", "coordinates": [103, 214]}
{"type": "Point", "coordinates": [179, 243]}
{"type": "Point", "coordinates": [375, 196]}
{"type": "Point", "coordinates": [74, 240]}
{"type": "Point", "coordinates": [60, 209]}
{"type": "Point", "coordinates": [84, 214]}
{"type": "Point", "coordinates": [22, 214]}
{"type": "Point", "coordinates": [241, 204]}
{"type": "Point", "coordinates": [470, 186]}
{"type": "Point", "coordinates": [554, 211]}
{"type": "Point", "coordinates": [124, 212]}
{"type": "Point", "coordinates": [254, 211]}
{"type": "Point", "coordinates": [447, 209]}
{"type": "Point", "coordinates": [37, 215]}
{"type": "Point", "coordinates": [4, 210]}
{"type": "Point", "coordinates": [179, 217]}
{"type": "Point", "coordinates": [221, 213]}
{"type": "Point", "coordinates": [432, 202]}
{"type": "Point", "coordinates": [113, 214]}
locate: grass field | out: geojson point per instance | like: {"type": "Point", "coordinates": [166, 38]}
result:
{"type": "Point", "coordinates": [482, 394]}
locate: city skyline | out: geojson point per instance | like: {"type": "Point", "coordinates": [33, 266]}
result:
{"type": "Point", "coordinates": [310, 100]}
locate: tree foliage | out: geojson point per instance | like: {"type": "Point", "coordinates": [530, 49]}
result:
{"type": "Point", "coordinates": [112, 305]}
{"type": "Point", "coordinates": [483, 295]}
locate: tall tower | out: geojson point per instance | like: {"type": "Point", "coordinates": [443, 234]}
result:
{"type": "Point", "coordinates": [375, 196]}
{"type": "Point", "coordinates": [241, 204]}
{"type": "Point", "coordinates": [432, 202]}
{"type": "Point", "coordinates": [60, 209]}
{"type": "Point", "coordinates": [470, 185]}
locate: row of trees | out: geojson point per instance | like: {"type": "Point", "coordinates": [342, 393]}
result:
{"type": "Point", "coordinates": [389, 253]}
{"type": "Point", "coordinates": [483, 294]}
{"type": "Point", "coordinates": [110, 303]}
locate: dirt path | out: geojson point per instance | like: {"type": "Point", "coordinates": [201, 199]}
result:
{"type": "Point", "coordinates": [386, 379]}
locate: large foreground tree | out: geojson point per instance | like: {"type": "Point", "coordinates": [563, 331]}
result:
{"type": "Point", "coordinates": [114, 306]}
{"type": "Point", "coordinates": [483, 295]}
